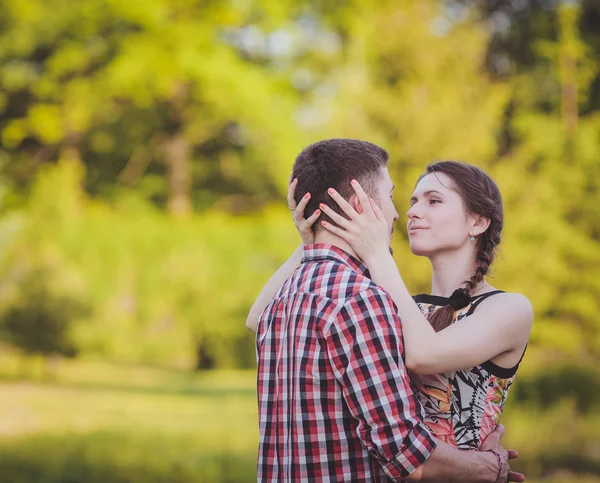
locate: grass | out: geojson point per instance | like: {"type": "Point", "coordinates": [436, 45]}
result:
{"type": "Point", "coordinates": [33, 407]}
{"type": "Point", "coordinates": [106, 423]}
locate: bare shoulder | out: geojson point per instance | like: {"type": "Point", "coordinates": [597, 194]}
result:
{"type": "Point", "coordinates": [510, 306]}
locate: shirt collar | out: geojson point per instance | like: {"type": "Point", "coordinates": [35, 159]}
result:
{"type": "Point", "coordinates": [325, 251]}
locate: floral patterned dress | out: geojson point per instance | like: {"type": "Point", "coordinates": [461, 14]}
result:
{"type": "Point", "coordinates": [463, 407]}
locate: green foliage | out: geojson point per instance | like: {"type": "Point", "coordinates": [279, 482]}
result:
{"type": "Point", "coordinates": [115, 116]}
{"type": "Point", "coordinates": [554, 440]}
{"type": "Point", "coordinates": [110, 92]}
{"type": "Point", "coordinates": [40, 322]}
{"type": "Point", "coordinates": [105, 78]}
{"type": "Point", "coordinates": [154, 288]}
{"type": "Point", "coordinates": [555, 383]}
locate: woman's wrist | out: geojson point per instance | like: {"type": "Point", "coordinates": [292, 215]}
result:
{"type": "Point", "coordinates": [379, 260]}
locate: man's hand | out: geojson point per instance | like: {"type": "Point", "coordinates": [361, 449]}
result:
{"type": "Point", "coordinates": [492, 443]}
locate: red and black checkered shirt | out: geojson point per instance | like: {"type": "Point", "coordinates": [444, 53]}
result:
{"type": "Point", "coordinates": [335, 400]}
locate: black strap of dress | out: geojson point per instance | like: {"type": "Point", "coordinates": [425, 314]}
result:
{"type": "Point", "coordinates": [481, 298]}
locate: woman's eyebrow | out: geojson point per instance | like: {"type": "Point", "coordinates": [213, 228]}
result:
{"type": "Point", "coordinates": [426, 193]}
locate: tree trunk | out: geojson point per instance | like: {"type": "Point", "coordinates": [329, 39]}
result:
{"type": "Point", "coordinates": [568, 54]}
{"type": "Point", "coordinates": [204, 358]}
{"type": "Point", "coordinates": [177, 160]}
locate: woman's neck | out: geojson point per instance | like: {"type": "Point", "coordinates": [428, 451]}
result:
{"type": "Point", "coordinates": [450, 270]}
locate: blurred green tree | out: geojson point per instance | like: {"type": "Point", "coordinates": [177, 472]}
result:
{"type": "Point", "coordinates": [168, 89]}
{"type": "Point", "coordinates": [40, 321]}
{"type": "Point", "coordinates": [185, 104]}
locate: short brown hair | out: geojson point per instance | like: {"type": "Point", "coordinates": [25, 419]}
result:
{"type": "Point", "coordinates": [334, 163]}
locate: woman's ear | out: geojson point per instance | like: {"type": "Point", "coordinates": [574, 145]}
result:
{"type": "Point", "coordinates": [480, 224]}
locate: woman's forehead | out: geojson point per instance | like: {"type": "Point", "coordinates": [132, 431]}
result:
{"type": "Point", "coordinates": [435, 181]}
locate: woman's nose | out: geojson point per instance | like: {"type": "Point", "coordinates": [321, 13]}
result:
{"type": "Point", "coordinates": [413, 212]}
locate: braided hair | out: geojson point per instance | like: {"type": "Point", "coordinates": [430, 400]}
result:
{"type": "Point", "coordinates": [481, 196]}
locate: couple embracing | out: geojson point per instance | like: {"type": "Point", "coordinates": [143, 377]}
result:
{"type": "Point", "coordinates": [357, 379]}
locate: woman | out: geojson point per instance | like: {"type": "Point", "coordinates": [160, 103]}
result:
{"type": "Point", "coordinates": [465, 340]}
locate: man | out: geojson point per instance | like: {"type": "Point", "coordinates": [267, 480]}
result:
{"type": "Point", "coordinates": [335, 401]}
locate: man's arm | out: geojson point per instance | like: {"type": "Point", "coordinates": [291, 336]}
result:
{"type": "Point", "coordinates": [451, 465]}
{"type": "Point", "coordinates": [364, 346]}
{"type": "Point", "coordinates": [273, 285]}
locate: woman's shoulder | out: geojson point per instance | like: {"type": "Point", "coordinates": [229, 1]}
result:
{"type": "Point", "coordinates": [509, 299]}
{"type": "Point", "coordinates": [514, 306]}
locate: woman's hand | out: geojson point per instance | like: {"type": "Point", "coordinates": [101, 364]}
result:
{"type": "Point", "coordinates": [367, 233]}
{"type": "Point", "coordinates": [303, 225]}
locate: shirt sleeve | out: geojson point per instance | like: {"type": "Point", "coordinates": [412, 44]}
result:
{"type": "Point", "coordinates": [365, 345]}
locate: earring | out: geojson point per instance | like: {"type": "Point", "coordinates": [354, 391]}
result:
{"type": "Point", "coordinates": [472, 238]}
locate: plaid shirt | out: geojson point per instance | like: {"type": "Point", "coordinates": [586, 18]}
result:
{"type": "Point", "coordinates": [335, 400]}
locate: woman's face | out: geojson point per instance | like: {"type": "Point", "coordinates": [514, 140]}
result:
{"type": "Point", "coordinates": [437, 219]}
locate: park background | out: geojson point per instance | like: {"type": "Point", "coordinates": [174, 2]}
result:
{"type": "Point", "coordinates": [145, 149]}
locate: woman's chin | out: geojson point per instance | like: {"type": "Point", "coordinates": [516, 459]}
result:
{"type": "Point", "coordinates": [420, 251]}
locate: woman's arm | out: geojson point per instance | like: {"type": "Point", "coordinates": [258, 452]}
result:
{"type": "Point", "coordinates": [304, 227]}
{"type": "Point", "coordinates": [270, 289]}
{"type": "Point", "coordinates": [501, 324]}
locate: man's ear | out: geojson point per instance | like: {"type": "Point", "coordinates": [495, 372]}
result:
{"type": "Point", "coordinates": [480, 224]}
{"type": "Point", "coordinates": [356, 204]}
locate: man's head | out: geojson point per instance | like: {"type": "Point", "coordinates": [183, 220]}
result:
{"type": "Point", "coordinates": [334, 163]}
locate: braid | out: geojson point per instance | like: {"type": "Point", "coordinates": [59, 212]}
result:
{"type": "Point", "coordinates": [442, 318]}
{"type": "Point", "coordinates": [485, 257]}
{"type": "Point", "coordinates": [486, 252]}
{"type": "Point", "coordinates": [481, 196]}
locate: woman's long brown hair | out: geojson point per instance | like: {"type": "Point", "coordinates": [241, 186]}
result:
{"type": "Point", "coordinates": [480, 196]}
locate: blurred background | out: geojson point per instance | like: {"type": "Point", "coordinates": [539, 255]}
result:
{"type": "Point", "coordinates": [145, 149]}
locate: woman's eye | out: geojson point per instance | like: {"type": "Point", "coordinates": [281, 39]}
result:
{"type": "Point", "coordinates": [434, 201]}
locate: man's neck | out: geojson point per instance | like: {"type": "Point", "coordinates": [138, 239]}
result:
{"type": "Point", "coordinates": [323, 236]}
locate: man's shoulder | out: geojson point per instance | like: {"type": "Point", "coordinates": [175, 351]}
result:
{"type": "Point", "coordinates": [368, 309]}
{"type": "Point", "coordinates": [353, 291]}
{"type": "Point", "coordinates": [372, 294]}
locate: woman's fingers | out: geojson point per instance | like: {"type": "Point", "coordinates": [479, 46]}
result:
{"type": "Point", "coordinates": [360, 193]}
{"type": "Point", "coordinates": [312, 218]}
{"type": "Point", "coordinates": [377, 211]}
{"type": "Point", "coordinates": [336, 217]}
{"type": "Point", "coordinates": [299, 211]}
{"type": "Point", "coordinates": [334, 229]}
{"type": "Point", "coordinates": [515, 476]}
{"type": "Point", "coordinates": [291, 201]}
{"type": "Point", "coordinates": [342, 203]}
